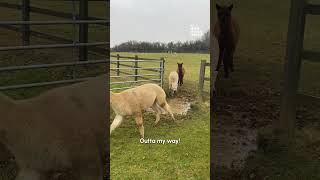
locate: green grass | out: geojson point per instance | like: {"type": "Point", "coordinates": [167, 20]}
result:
{"type": "Point", "coordinates": [188, 160]}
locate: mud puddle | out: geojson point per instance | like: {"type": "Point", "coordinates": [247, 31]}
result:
{"type": "Point", "coordinates": [179, 105]}
{"type": "Point", "coordinates": [232, 146]}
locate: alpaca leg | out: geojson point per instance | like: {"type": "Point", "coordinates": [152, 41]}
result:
{"type": "Point", "coordinates": [158, 112]}
{"type": "Point", "coordinates": [139, 122]}
{"type": "Point", "coordinates": [231, 63]}
{"type": "Point", "coordinates": [166, 107]}
{"type": "Point", "coordinates": [116, 122]}
{"type": "Point", "coordinates": [220, 59]}
{"type": "Point", "coordinates": [226, 65]}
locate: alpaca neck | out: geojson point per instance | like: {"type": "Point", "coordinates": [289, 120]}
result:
{"type": "Point", "coordinates": [225, 27]}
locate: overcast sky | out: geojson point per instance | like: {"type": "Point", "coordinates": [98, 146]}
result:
{"type": "Point", "coordinates": [158, 20]}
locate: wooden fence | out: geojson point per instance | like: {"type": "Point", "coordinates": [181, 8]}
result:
{"type": "Point", "coordinates": [202, 77]}
{"type": "Point", "coordinates": [121, 70]}
{"type": "Point", "coordinates": [294, 55]}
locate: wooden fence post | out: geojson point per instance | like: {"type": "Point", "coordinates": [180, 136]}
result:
{"type": "Point", "coordinates": [83, 30]}
{"type": "Point", "coordinates": [118, 65]}
{"type": "Point", "coordinates": [162, 71]}
{"type": "Point", "coordinates": [136, 68]}
{"type": "Point", "coordinates": [25, 29]}
{"type": "Point", "coordinates": [202, 76]}
{"type": "Point", "coordinates": [295, 38]}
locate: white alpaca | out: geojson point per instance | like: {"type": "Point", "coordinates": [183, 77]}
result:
{"type": "Point", "coordinates": [60, 129]}
{"type": "Point", "coordinates": [173, 82]}
{"type": "Point", "coordinates": [132, 102]}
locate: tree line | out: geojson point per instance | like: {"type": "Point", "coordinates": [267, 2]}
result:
{"type": "Point", "coordinates": [202, 45]}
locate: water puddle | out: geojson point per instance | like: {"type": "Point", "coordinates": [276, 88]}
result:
{"type": "Point", "coordinates": [232, 146]}
{"type": "Point", "coordinates": [179, 105]}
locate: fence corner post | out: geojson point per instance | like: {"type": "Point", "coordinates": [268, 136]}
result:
{"type": "Point", "coordinates": [136, 68]}
{"type": "Point", "coordinates": [118, 65]}
{"type": "Point", "coordinates": [201, 77]}
{"type": "Point", "coordinates": [83, 30]}
{"type": "Point", "coordinates": [162, 70]}
{"type": "Point", "coordinates": [25, 29]}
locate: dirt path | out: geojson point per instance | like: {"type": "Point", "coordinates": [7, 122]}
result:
{"type": "Point", "coordinates": [239, 113]}
{"type": "Point", "coordinates": [238, 116]}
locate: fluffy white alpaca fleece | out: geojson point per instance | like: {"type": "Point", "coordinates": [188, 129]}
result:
{"type": "Point", "coordinates": [173, 81]}
{"type": "Point", "coordinates": [132, 102]}
{"type": "Point", "coordinates": [62, 128]}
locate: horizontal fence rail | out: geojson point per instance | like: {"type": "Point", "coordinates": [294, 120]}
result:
{"type": "Point", "coordinates": [56, 22]}
{"type": "Point", "coordinates": [54, 38]}
{"type": "Point", "coordinates": [40, 66]}
{"type": "Point", "coordinates": [42, 84]}
{"type": "Point", "coordinates": [133, 71]}
{"type": "Point", "coordinates": [47, 11]}
{"type": "Point", "coordinates": [52, 46]}
{"type": "Point", "coordinates": [312, 9]}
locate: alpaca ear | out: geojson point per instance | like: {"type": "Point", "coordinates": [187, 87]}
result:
{"type": "Point", "coordinates": [230, 7]}
{"type": "Point", "coordinates": [218, 7]}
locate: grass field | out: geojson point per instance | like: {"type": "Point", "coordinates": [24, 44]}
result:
{"type": "Point", "coordinates": [187, 160]}
{"type": "Point", "coordinates": [251, 97]}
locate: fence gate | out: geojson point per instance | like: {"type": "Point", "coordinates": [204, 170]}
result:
{"type": "Point", "coordinates": [294, 54]}
{"type": "Point", "coordinates": [127, 72]}
{"type": "Point", "coordinates": [76, 18]}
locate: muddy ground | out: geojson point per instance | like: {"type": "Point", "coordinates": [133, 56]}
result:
{"type": "Point", "coordinates": [240, 113]}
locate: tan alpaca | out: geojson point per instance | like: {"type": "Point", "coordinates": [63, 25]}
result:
{"type": "Point", "coordinates": [62, 128]}
{"type": "Point", "coordinates": [173, 82]}
{"type": "Point", "coordinates": [133, 101]}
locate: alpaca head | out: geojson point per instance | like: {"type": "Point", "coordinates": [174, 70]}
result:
{"type": "Point", "coordinates": [180, 65]}
{"type": "Point", "coordinates": [174, 87]}
{"type": "Point", "coordinates": [224, 13]}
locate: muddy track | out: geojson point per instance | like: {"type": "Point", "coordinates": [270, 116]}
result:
{"type": "Point", "coordinates": [238, 116]}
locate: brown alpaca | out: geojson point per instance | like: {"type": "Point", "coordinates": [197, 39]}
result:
{"type": "Point", "coordinates": [181, 71]}
{"type": "Point", "coordinates": [227, 32]}
{"type": "Point", "coordinates": [133, 101]}
{"type": "Point", "coordinates": [64, 128]}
